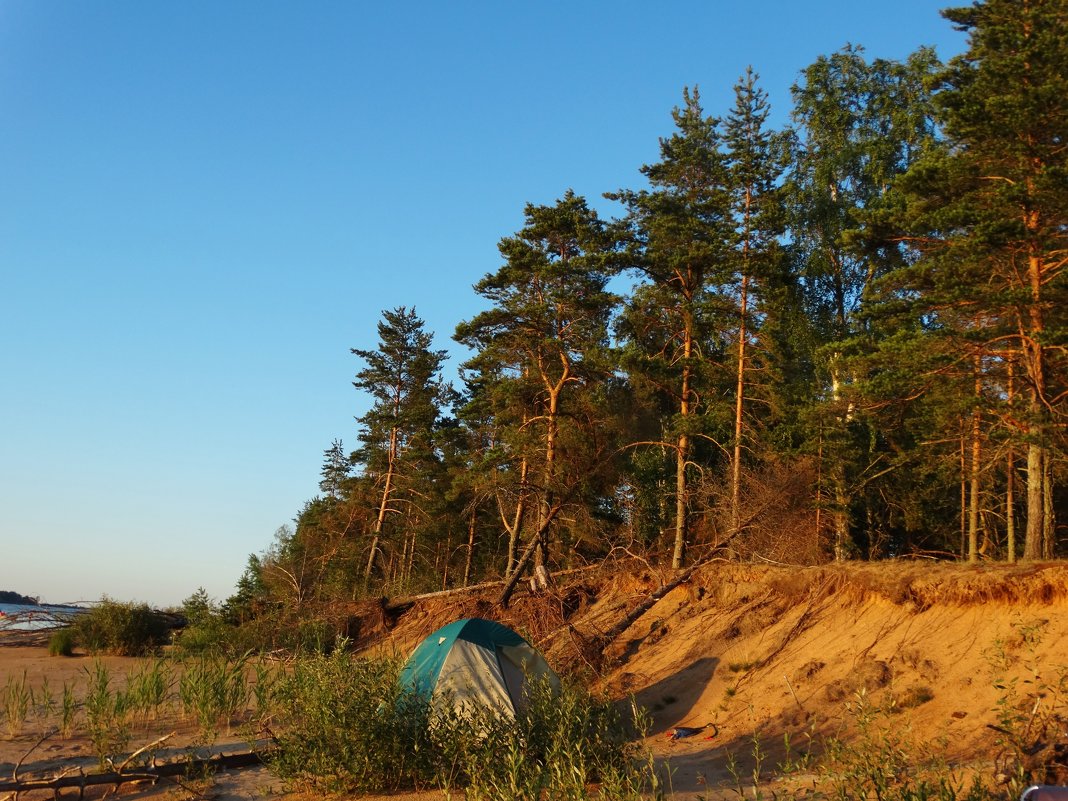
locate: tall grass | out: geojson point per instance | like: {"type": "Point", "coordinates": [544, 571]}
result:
{"type": "Point", "coordinates": [347, 726]}
{"type": "Point", "coordinates": [213, 689]}
{"type": "Point", "coordinates": [105, 713]}
{"type": "Point", "coordinates": [148, 689]}
{"type": "Point", "coordinates": [17, 698]}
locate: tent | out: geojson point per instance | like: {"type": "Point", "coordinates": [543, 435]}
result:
{"type": "Point", "coordinates": [475, 662]}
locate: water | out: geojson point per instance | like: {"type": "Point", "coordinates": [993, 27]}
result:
{"type": "Point", "coordinates": [21, 617]}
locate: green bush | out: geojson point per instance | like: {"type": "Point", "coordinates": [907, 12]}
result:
{"type": "Point", "coordinates": [348, 727]}
{"type": "Point", "coordinates": [213, 690]}
{"type": "Point", "coordinates": [280, 632]}
{"type": "Point", "coordinates": [61, 643]}
{"type": "Point", "coordinates": [123, 629]}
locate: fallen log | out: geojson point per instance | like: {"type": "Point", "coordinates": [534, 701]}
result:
{"type": "Point", "coordinates": [400, 605]}
{"type": "Point", "coordinates": [83, 780]}
{"type": "Point", "coordinates": [654, 597]}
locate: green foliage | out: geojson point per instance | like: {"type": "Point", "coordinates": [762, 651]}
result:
{"type": "Point", "coordinates": [122, 629]}
{"type": "Point", "coordinates": [349, 727]}
{"type": "Point", "coordinates": [206, 627]}
{"type": "Point", "coordinates": [879, 291]}
{"type": "Point", "coordinates": [883, 761]}
{"type": "Point", "coordinates": [148, 688]}
{"type": "Point", "coordinates": [541, 365]}
{"type": "Point", "coordinates": [346, 727]}
{"type": "Point", "coordinates": [16, 702]}
{"type": "Point", "coordinates": [61, 643]}
{"type": "Point", "coordinates": [69, 711]}
{"type": "Point", "coordinates": [250, 595]}
{"type": "Point", "coordinates": [212, 690]}
{"type": "Point", "coordinates": [1031, 709]}
{"type": "Point", "coordinates": [313, 630]}
{"type": "Point", "coordinates": [106, 714]}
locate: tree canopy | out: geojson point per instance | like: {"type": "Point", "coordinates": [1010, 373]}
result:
{"type": "Point", "coordinates": [843, 338]}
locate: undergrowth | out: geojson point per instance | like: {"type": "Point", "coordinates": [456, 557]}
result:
{"type": "Point", "coordinates": [123, 629]}
{"type": "Point", "coordinates": [348, 726]}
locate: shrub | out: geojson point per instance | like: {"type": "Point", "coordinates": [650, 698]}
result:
{"type": "Point", "coordinates": [123, 629]}
{"type": "Point", "coordinates": [311, 634]}
{"type": "Point", "coordinates": [213, 690]}
{"type": "Point", "coordinates": [61, 643]}
{"type": "Point", "coordinates": [348, 727]}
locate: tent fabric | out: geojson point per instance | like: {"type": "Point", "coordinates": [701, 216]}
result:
{"type": "Point", "coordinates": [475, 662]}
{"type": "Point", "coordinates": [1045, 792]}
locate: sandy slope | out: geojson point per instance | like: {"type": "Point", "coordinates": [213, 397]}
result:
{"type": "Point", "coordinates": [765, 653]}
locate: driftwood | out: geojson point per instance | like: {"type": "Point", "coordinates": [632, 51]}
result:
{"type": "Point", "coordinates": [83, 780]}
{"type": "Point", "coordinates": [654, 597]}
{"type": "Point", "coordinates": [400, 605]}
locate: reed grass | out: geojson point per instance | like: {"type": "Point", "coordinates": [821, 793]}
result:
{"type": "Point", "coordinates": [107, 723]}
{"type": "Point", "coordinates": [213, 690]}
{"type": "Point", "coordinates": [68, 720]}
{"type": "Point", "coordinates": [17, 700]}
{"type": "Point", "coordinates": [347, 725]}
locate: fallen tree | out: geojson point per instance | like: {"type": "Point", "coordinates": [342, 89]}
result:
{"type": "Point", "coordinates": [141, 774]}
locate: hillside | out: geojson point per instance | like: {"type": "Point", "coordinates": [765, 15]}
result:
{"type": "Point", "coordinates": [936, 654]}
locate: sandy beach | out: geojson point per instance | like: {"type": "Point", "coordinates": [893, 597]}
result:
{"type": "Point", "coordinates": [39, 749]}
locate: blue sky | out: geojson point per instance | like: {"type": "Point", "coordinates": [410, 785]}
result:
{"type": "Point", "coordinates": [204, 206]}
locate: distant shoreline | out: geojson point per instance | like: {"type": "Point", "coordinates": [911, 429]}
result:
{"type": "Point", "coordinates": [36, 617]}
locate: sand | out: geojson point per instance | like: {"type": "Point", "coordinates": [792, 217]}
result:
{"type": "Point", "coordinates": [766, 655]}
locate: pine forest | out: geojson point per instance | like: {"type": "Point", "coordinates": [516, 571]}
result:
{"type": "Point", "coordinates": [841, 339]}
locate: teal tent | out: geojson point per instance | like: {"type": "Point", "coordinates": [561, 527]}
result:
{"type": "Point", "coordinates": [475, 662]}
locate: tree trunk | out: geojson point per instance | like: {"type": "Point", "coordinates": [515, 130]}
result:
{"type": "Point", "coordinates": [843, 541]}
{"type": "Point", "coordinates": [1010, 477]}
{"type": "Point", "coordinates": [963, 493]}
{"type": "Point", "coordinates": [411, 558]}
{"type": "Point", "coordinates": [683, 454]}
{"type": "Point", "coordinates": [541, 551]}
{"type": "Point", "coordinates": [736, 467]}
{"type": "Point", "coordinates": [470, 546]}
{"type": "Point", "coordinates": [383, 506]}
{"type": "Point", "coordinates": [1034, 543]}
{"type": "Point", "coordinates": [973, 504]}
{"type": "Point", "coordinates": [528, 552]}
{"type": "Point", "coordinates": [1033, 538]}
{"type": "Point", "coordinates": [1010, 507]}
{"type": "Point", "coordinates": [517, 521]}
{"type": "Point", "coordinates": [1049, 522]}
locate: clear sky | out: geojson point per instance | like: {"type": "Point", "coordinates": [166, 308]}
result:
{"type": "Point", "coordinates": [204, 205]}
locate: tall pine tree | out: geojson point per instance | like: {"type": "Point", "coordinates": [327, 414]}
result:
{"type": "Point", "coordinates": [681, 231]}
{"type": "Point", "coordinates": [397, 452]}
{"type": "Point", "coordinates": [990, 216]}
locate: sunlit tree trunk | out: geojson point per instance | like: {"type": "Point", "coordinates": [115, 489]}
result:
{"type": "Point", "coordinates": [470, 545]}
{"type": "Point", "coordinates": [383, 507]}
{"type": "Point", "coordinates": [541, 554]}
{"type": "Point", "coordinates": [736, 467]}
{"type": "Point", "coordinates": [683, 452]}
{"type": "Point", "coordinates": [974, 471]}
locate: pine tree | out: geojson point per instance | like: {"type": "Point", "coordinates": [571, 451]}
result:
{"type": "Point", "coordinates": [1004, 107]}
{"type": "Point", "coordinates": [539, 348]}
{"type": "Point", "coordinates": [755, 162]}
{"type": "Point", "coordinates": [336, 469]}
{"type": "Point", "coordinates": [861, 124]}
{"type": "Point", "coordinates": [397, 434]}
{"type": "Point", "coordinates": [989, 214]}
{"type": "Point", "coordinates": [681, 233]}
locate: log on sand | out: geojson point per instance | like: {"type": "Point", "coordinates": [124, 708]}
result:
{"type": "Point", "coordinates": [84, 780]}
